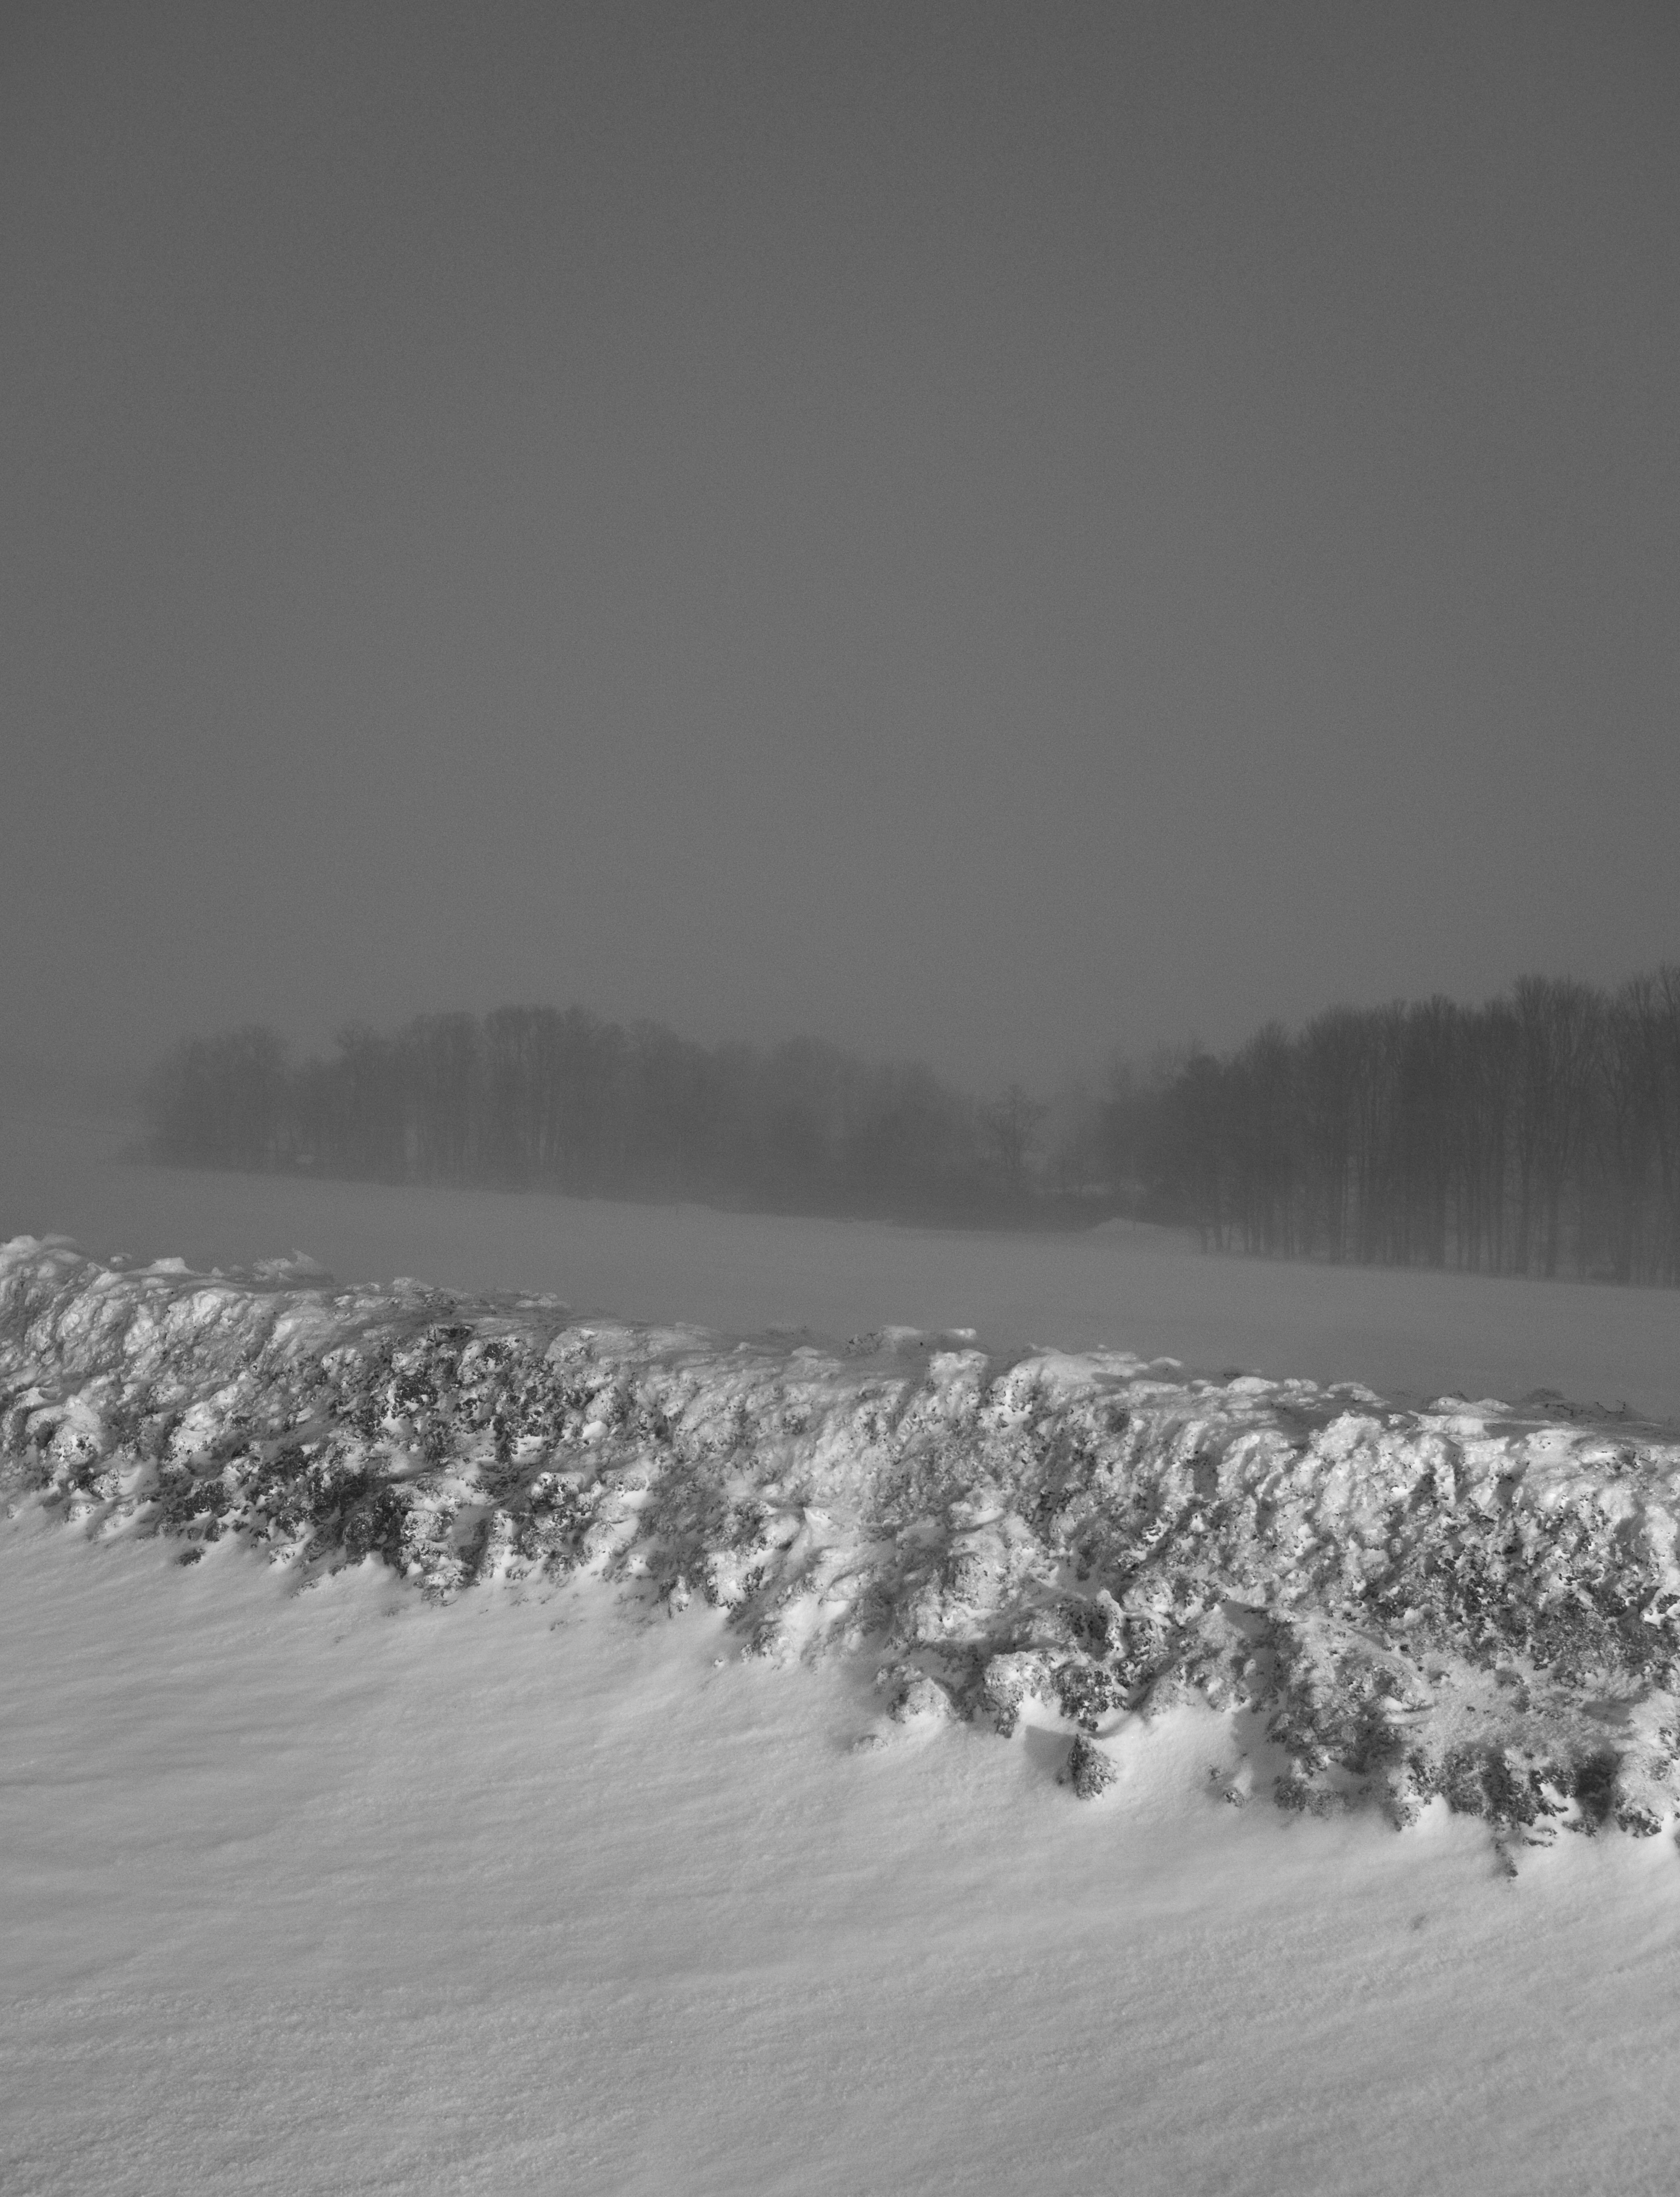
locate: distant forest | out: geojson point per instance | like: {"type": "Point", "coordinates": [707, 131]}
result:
{"type": "Point", "coordinates": [536, 1098]}
{"type": "Point", "coordinates": [1537, 1135]}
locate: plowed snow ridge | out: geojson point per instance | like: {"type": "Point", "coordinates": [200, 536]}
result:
{"type": "Point", "coordinates": [1473, 1600]}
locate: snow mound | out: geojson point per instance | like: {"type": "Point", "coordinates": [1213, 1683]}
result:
{"type": "Point", "coordinates": [1478, 1602]}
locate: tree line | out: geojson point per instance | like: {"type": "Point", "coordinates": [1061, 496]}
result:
{"type": "Point", "coordinates": [538, 1098]}
{"type": "Point", "coordinates": [1538, 1133]}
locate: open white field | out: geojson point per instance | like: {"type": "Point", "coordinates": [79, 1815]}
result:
{"type": "Point", "coordinates": [343, 1891]}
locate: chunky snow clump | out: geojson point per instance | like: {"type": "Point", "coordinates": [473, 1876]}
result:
{"type": "Point", "coordinates": [1475, 1601]}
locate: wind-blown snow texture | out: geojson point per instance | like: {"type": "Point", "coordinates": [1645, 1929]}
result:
{"type": "Point", "coordinates": [1475, 1601]}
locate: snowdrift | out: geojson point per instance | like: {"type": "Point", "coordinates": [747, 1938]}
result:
{"type": "Point", "coordinates": [1479, 1601]}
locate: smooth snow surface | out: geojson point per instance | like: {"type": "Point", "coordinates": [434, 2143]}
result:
{"type": "Point", "coordinates": [343, 1892]}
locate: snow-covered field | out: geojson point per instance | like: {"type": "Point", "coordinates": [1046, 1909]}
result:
{"type": "Point", "coordinates": [541, 1889]}
{"type": "Point", "coordinates": [1141, 1289]}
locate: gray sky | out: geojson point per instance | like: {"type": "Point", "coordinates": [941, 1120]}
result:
{"type": "Point", "coordinates": [980, 532]}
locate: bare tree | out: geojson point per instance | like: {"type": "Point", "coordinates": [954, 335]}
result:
{"type": "Point", "coordinates": [1011, 1124]}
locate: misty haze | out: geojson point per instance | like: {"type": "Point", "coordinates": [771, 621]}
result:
{"type": "Point", "coordinates": [839, 1098]}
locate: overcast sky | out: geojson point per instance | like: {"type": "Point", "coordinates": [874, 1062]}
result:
{"type": "Point", "coordinates": [980, 532]}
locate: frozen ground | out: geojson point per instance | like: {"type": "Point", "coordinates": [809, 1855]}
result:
{"type": "Point", "coordinates": [347, 1891]}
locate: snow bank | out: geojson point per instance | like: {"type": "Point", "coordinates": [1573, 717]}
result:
{"type": "Point", "coordinates": [1474, 1601]}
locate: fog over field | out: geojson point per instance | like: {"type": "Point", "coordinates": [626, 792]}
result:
{"type": "Point", "coordinates": [839, 1098]}
{"type": "Point", "coordinates": [979, 538]}
{"type": "Point", "coordinates": [1123, 1285]}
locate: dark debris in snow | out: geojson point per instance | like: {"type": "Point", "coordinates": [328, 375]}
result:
{"type": "Point", "coordinates": [1475, 1601]}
